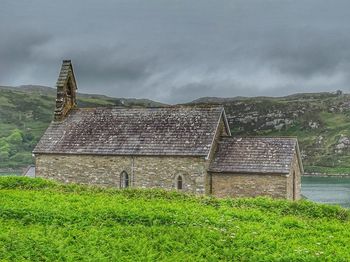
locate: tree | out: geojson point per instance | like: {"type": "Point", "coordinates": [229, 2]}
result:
{"type": "Point", "coordinates": [15, 138]}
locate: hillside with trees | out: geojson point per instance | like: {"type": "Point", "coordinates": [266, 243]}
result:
{"type": "Point", "coordinates": [25, 113]}
{"type": "Point", "coordinates": [321, 121]}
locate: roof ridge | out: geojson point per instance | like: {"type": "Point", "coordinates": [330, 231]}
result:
{"type": "Point", "coordinates": [232, 137]}
{"type": "Point", "coordinates": [151, 107]}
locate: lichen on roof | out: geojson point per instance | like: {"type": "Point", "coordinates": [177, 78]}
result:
{"type": "Point", "coordinates": [254, 155]}
{"type": "Point", "coordinates": [177, 130]}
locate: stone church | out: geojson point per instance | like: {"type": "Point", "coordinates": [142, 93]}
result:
{"type": "Point", "coordinates": [187, 148]}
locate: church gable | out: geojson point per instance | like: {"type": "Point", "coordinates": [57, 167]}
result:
{"type": "Point", "coordinates": [66, 91]}
{"type": "Point", "coordinates": [222, 130]}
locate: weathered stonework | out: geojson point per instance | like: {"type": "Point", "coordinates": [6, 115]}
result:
{"type": "Point", "coordinates": [221, 131]}
{"type": "Point", "coordinates": [248, 185]}
{"type": "Point", "coordinates": [66, 91]}
{"type": "Point", "coordinates": [144, 172]}
{"type": "Point", "coordinates": [294, 191]}
{"type": "Point", "coordinates": [252, 185]}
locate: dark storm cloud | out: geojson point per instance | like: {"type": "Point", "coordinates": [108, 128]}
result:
{"type": "Point", "coordinates": [17, 49]}
{"type": "Point", "coordinates": [310, 56]}
{"type": "Point", "coordinates": [175, 51]}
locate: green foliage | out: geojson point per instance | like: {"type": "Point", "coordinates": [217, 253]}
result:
{"type": "Point", "coordinates": [13, 173]}
{"type": "Point", "coordinates": [328, 170]}
{"type": "Point", "coordinates": [26, 113]}
{"type": "Point", "coordinates": [44, 221]}
{"type": "Point", "coordinates": [26, 183]}
{"type": "Point", "coordinates": [4, 155]}
{"type": "Point", "coordinates": [15, 138]}
{"type": "Point", "coordinates": [12, 149]}
{"type": "Point", "coordinates": [24, 116]}
{"type": "Point", "coordinates": [330, 112]}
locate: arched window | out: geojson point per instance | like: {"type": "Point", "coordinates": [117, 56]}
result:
{"type": "Point", "coordinates": [124, 180]}
{"type": "Point", "coordinates": [179, 183]}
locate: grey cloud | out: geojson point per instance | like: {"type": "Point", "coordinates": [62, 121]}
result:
{"type": "Point", "coordinates": [17, 51]}
{"type": "Point", "coordinates": [176, 51]}
{"type": "Point", "coordinates": [308, 56]}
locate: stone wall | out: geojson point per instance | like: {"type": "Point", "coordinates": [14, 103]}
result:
{"type": "Point", "coordinates": [295, 170]}
{"type": "Point", "coordinates": [252, 185]}
{"type": "Point", "coordinates": [249, 185]}
{"type": "Point", "coordinates": [162, 172]}
{"type": "Point", "coordinates": [144, 172]}
{"type": "Point", "coordinates": [221, 131]}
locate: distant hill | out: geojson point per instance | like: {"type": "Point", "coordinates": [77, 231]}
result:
{"type": "Point", "coordinates": [321, 121]}
{"type": "Point", "coordinates": [26, 111]}
{"type": "Point", "coordinates": [298, 96]}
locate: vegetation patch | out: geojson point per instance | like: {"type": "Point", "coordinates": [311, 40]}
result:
{"type": "Point", "coordinates": [26, 112]}
{"type": "Point", "coordinates": [44, 221]}
{"type": "Point", "coordinates": [320, 121]}
{"type": "Point", "coordinates": [328, 170]}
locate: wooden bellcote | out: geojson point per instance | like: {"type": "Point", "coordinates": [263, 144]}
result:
{"type": "Point", "coordinates": [66, 91]}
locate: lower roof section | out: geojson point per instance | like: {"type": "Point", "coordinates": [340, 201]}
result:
{"type": "Point", "coordinates": [255, 155]}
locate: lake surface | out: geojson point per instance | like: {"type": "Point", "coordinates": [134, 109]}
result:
{"type": "Point", "coordinates": [328, 190]}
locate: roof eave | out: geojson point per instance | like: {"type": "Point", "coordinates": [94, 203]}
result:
{"type": "Point", "coordinates": [227, 126]}
{"type": "Point", "coordinates": [116, 154]}
{"type": "Point", "coordinates": [286, 173]}
{"type": "Point", "coordinates": [301, 167]}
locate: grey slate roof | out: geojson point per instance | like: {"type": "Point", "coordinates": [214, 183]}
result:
{"type": "Point", "coordinates": [187, 131]}
{"type": "Point", "coordinates": [254, 155]}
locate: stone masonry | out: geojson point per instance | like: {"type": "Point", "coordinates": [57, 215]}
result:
{"type": "Point", "coordinates": [294, 171]}
{"type": "Point", "coordinates": [144, 172]}
{"type": "Point", "coordinates": [251, 185]}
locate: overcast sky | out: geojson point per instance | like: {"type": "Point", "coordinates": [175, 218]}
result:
{"type": "Point", "coordinates": [178, 50]}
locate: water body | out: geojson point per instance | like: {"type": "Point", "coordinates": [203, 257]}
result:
{"type": "Point", "coordinates": [328, 190]}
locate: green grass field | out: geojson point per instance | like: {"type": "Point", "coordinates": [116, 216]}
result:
{"type": "Point", "coordinates": [45, 221]}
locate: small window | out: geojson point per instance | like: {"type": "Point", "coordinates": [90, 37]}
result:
{"type": "Point", "coordinates": [179, 182]}
{"type": "Point", "coordinates": [69, 88]}
{"type": "Point", "coordinates": [124, 180]}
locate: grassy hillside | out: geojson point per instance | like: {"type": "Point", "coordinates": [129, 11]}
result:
{"type": "Point", "coordinates": [25, 113]}
{"type": "Point", "coordinates": [321, 121]}
{"type": "Point", "coordinates": [45, 221]}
